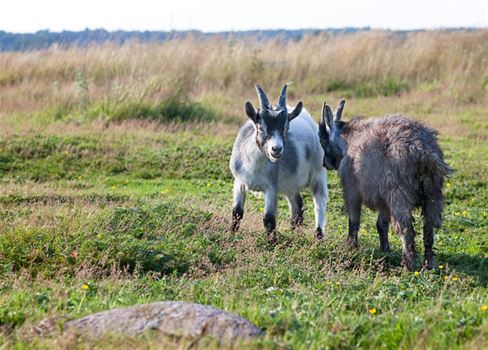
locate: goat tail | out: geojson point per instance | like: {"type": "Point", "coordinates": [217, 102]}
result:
{"type": "Point", "coordinates": [437, 166]}
{"type": "Point", "coordinates": [436, 170]}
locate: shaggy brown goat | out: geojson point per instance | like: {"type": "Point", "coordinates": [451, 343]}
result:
{"type": "Point", "coordinates": [391, 164]}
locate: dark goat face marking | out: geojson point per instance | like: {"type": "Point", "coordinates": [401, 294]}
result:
{"type": "Point", "coordinates": [271, 128]}
{"type": "Point", "coordinates": [330, 138]}
{"type": "Point", "coordinates": [333, 151]}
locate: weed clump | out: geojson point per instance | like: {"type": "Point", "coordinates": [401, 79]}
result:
{"type": "Point", "coordinates": [388, 86]}
{"type": "Point", "coordinates": [174, 108]}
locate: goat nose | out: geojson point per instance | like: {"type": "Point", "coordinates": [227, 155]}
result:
{"type": "Point", "coordinates": [277, 149]}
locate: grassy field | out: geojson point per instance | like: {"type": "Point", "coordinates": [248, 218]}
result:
{"type": "Point", "coordinates": [115, 190]}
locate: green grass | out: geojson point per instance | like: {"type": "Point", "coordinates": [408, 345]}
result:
{"type": "Point", "coordinates": [388, 86]}
{"type": "Point", "coordinates": [140, 216]}
{"type": "Point", "coordinates": [174, 108]}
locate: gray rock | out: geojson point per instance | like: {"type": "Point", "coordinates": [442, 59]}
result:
{"type": "Point", "coordinates": [169, 318]}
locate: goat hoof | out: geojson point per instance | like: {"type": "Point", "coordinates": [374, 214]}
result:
{"type": "Point", "coordinates": [352, 242]}
{"type": "Point", "coordinates": [235, 226]}
{"type": "Point", "coordinates": [269, 222]}
{"type": "Point", "coordinates": [296, 222]}
{"type": "Point", "coordinates": [409, 264]}
{"type": "Point", "coordinates": [408, 267]}
{"type": "Point", "coordinates": [429, 264]}
{"type": "Point", "coordinates": [319, 234]}
{"type": "Point", "coordinates": [272, 237]}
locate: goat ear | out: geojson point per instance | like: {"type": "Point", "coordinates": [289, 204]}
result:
{"type": "Point", "coordinates": [327, 116]}
{"type": "Point", "coordinates": [323, 133]}
{"type": "Point", "coordinates": [251, 112]}
{"type": "Point", "coordinates": [340, 108]}
{"type": "Point", "coordinates": [296, 111]}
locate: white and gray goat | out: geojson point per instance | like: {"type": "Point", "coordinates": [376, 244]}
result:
{"type": "Point", "coordinates": [278, 151]}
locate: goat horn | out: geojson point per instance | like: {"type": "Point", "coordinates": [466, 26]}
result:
{"type": "Point", "coordinates": [340, 108]}
{"type": "Point", "coordinates": [263, 99]}
{"type": "Point", "coordinates": [324, 112]}
{"type": "Point", "coordinates": [282, 101]}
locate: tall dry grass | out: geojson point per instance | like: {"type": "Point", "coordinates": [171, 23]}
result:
{"type": "Point", "coordinates": [453, 64]}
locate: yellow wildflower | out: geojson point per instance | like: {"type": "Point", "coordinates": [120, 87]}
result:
{"type": "Point", "coordinates": [85, 287]}
{"type": "Point", "coordinates": [416, 273]}
{"type": "Point", "coordinates": [448, 184]}
{"type": "Point", "coordinates": [261, 209]}
{"type": "Point", "coordinates": [114, 187]}
{"type": "Point", "coordinates": [465, 213]}
{"type": "Point", "coordinates": [455, 278]}
{"type": "Point", "coordinates": [441, 267]}
{"type": "Point", "coordinates": [372, 310]}
{"type": "Point", "coordinates": [484, 307]}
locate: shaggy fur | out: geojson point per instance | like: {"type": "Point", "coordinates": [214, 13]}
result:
{"type": "Point", "coordinates": [391, 164]}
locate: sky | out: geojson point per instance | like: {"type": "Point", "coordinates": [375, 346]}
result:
{"type": "Point", "coordinates": [23, 16]}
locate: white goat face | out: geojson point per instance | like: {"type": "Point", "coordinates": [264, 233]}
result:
{"type": "Point", "coordinates": [271, 124]}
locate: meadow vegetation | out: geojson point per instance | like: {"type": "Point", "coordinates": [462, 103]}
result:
{"type": "Point", "coordinates": [115, 190]}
